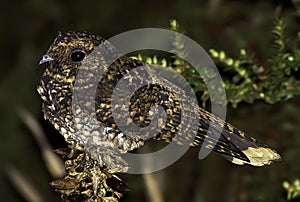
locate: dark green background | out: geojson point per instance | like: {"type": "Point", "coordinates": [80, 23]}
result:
{"type": "Point", "coordinates": [29, 27]}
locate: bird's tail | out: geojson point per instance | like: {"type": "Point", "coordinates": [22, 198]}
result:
{"type": "Point", "coordinates": [233, 144]}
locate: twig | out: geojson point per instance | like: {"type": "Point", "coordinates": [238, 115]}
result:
{"type": "Point", "coordinates": [54, 163]}
{"type": "Point", "coordinates": [153, 188]}
{"type": "Point", "coordinates": [23, 185]}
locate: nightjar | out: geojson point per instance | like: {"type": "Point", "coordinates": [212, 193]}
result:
{"type": "Point", "coordinates": [102, 136]}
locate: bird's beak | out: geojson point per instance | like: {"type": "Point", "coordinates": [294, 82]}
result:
{"type": "Point", "coordinates": [45, 58]}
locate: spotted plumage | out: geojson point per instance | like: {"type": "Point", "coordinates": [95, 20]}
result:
{"type": "Point", "coordinates": [65, 58]}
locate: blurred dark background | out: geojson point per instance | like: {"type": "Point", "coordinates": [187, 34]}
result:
{"type": "Point", "coordinates": [29, 27]}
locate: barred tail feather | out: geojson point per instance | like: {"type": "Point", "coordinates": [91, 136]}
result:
{"type": "Point", "coordinates": [233, 144]}
{"type": "Point", "coordinates": [258, 156]}
{"type": "Point", "coordinates": [256, 153]}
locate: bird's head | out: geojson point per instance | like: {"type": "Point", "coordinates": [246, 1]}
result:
{"type": "Point", "coordinates": [63, 60]}
{"type": "Point", "coordinates": [67, 52]}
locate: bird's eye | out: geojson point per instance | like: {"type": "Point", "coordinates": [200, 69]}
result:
{"type": "Point", "coordinates": [77, 55]}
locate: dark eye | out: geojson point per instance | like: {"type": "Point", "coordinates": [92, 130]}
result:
{"type": "Point", "coordinates": [77, 55]}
